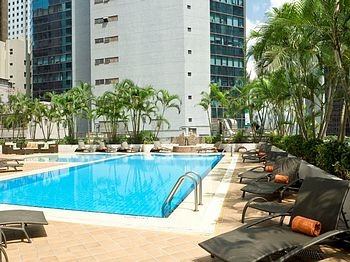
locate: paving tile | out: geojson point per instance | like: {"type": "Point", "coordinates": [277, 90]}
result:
{"type": "Point", "coordinates": [74, 242]}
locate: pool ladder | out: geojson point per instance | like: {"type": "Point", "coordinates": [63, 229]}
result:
{"type": "Point", "coordinates": [196, 179]}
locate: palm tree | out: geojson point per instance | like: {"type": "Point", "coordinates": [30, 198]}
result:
{"type": "Point", "coordinates": [19, 113]}
{"type": "Point", "coordinates": [298, 39]}
{"type": "Point", "coordinates": [138, 102]}
{"type": "Point", "coordinates": [205, 103]}
{"type": "Point", "coordinates": [110, 107]}
{"type": "Point", "coordinates": [165, 101]}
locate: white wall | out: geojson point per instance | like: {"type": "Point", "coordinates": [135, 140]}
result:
{"type": "Point", "coordinates": [152, 49]}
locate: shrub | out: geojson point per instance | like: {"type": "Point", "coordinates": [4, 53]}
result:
{"type": "Point", "coordinates": [238, 137]}
{"type": "Point", "coordinates": [293, 145]}
{"type": "Point", "coordinates": [334, 157]}
{"type": "Point", "coordinates": [208, 139]}
{"type": "Point", "coordinates": [276, 140]}
{"type": "Point", "coordinates": [310, 150]}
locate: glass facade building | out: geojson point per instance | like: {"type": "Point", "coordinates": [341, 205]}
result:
{"type": "Point", "coordinates": [51, 46]}
{"type": "Point", "coordinates": [227, 33]}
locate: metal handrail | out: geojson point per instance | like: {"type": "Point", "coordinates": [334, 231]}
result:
{"type": "Point", "coordinates": [200, 185]}
{"type": "Point", "coordinates": [177, 185]}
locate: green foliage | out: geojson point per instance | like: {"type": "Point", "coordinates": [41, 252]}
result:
{"type": "Point", "coordinates": [238, 137]}
{"type": "Point", "coordinates": [276, 140]}
{"type": "Point", "coordinates": [310, 150]}
{"type": "Point", "coordinates": [68, 140]}
{"type": "Point", "coordinates": [2, 141]}
{"type": "Point", "coordinates": [216, 138]}
{"type": "Point", "coordinates": [334, 157]}
{"type": "Point", "coordinates": [144, 137]}
{"type": "Point", "coordinates": [293, 145]}
{"type": "Point", "coordinates": [208, 139]}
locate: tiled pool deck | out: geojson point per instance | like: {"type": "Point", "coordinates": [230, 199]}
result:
{"type": "Point", "coordinates": [65, 241]}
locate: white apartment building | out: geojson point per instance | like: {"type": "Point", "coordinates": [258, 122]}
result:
{"type": "Point", "coordinates": [19, 18]}
{"type": "Point", "coordinates": [12, 66]}
{"type": "Point", "coordinates": [160, 43]}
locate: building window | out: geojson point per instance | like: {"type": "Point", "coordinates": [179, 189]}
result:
{"type": "Point", "coordinates": [111, 60]}
{"type": "Point", "coordinates": [189, 97]}
{"type": "Point", "coordinates": [113, 18]}
{"type": "Point", "coordinates": [99, 82]}
{"type": "Point", "coordinates": [11, 76]}
{"type": "Point", "coordinates": [189, 73]}
{"type": "Point", "coordinates": [98, 40]}
{"type": "Point", "coordinates": [11, 64]}
{"type": "Point", "coordinates": [98, 2]}
{"type": "Point", "coordinates": [100, 20]}
{"type": "Point", "coordinates": [189, 6]}
{"type": "Point", "coordinates": [112, 81]}
{"type": "Point", "coordinates": [190, 119]}
{"type": "Point", "coordinates": [189, 51]}
{"type": "Point", "coordinates": [99, 61]}
{"type": "Point", "coordinates": [111, 39]}
{"type": "Point", "coordinates": [189, 29]}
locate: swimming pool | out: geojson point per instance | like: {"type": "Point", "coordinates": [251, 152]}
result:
{"type": "Point", "coordinates": [69, 158]}
{"type": "Point", "coordinates": [131, 185]}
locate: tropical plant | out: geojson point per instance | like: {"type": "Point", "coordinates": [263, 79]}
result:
{"type": "Point", "coordinates": [205, 103]}
{"type": "Point", "coordinates": [110, 107]}
{"type": "Point", "coordinates": [138, 104]}
{"type": "Point", "coordinates": [164, 102]}
{"type": "Point", "coordinates": [18, 113]}
{"type": "Point", "coordinates": [307, 41]}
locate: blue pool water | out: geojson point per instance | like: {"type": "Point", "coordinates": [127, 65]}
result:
{"type": "Point", "coordinates": [69, 158]}
{"type": "Point", "coordinates": [133, 184]}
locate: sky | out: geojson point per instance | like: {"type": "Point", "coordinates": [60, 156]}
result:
{"type": "Point", "coordinates": [256, 10]}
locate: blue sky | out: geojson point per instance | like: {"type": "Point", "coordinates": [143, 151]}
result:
{"type": "Point", "coordinates": [256, 10]}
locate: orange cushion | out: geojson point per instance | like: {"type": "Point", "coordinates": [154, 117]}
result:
{"type": "Point", "coordinates": [306, 226]}
{"type": "Point", "coordinates": [268, 168]}
{"type": "Point", "coordinates": [280, 178]}
{"type": "Point", "coordinates": [261, 154]}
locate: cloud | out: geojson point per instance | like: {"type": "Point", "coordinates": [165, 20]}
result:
{"type": "Point", "coordinates": [253, 25]}
{"type": "Point", "coordinates": [278, 3]}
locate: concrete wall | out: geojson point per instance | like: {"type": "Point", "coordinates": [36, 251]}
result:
{"type": "Point", "coordinates": [153, 43]}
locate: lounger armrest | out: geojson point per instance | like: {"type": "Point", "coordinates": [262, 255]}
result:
{"type": "Point", "coordinates": [291, 186]}
{"type": "Point", "coordinates": [257, 167]}
{"type": "Point", "coordinates": [267, 218]}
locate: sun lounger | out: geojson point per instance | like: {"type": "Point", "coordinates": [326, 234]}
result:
{"type": "Point", "coordinates": [11, 163]}
{"type": "Point", "coordinates": [289, 167]}
{"type": "Point", "coordinates": [159, 148]}
{"type": "Point", "coordinates": [19, 219]}
{"type": "Point", "coordinates": [125, 147]}
{"type": "Point", "coordinates": [319, 199]}
{"type": "Point", "coordinates": [215, 148]}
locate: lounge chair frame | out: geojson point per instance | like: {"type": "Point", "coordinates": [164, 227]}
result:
{"type": "Point", "coordinates": [18, 220]}
{"type": "Point", "coordinates": [321, 199]}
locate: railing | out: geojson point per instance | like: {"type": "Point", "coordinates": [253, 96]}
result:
{"type": "Point", "coordinates": [196, 179]}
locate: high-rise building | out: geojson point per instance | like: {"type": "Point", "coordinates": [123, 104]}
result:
{"type": "Point", "coordinates": [3, 20]}
{"type": "Point", "coordinates": [227, 33]}
{"type": "Point", "coordinates": [52, 47]}
{"type": "Point", "coordinates": [334, 123]}
{"type": "Point", "coordinates": [160, 43]}
{"type": "Point", "coordinates": [19, 18]}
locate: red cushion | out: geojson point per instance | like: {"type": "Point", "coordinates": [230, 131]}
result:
{"type": "Point", "coordinates": [306, 226]}
{"type": "Point", "coordinates": [268, 168]}
{"type": "Point", "coordinates": [280, 178]}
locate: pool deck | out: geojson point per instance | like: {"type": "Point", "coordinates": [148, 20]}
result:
{"type": "Point", "coordinates": [140, 239]}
